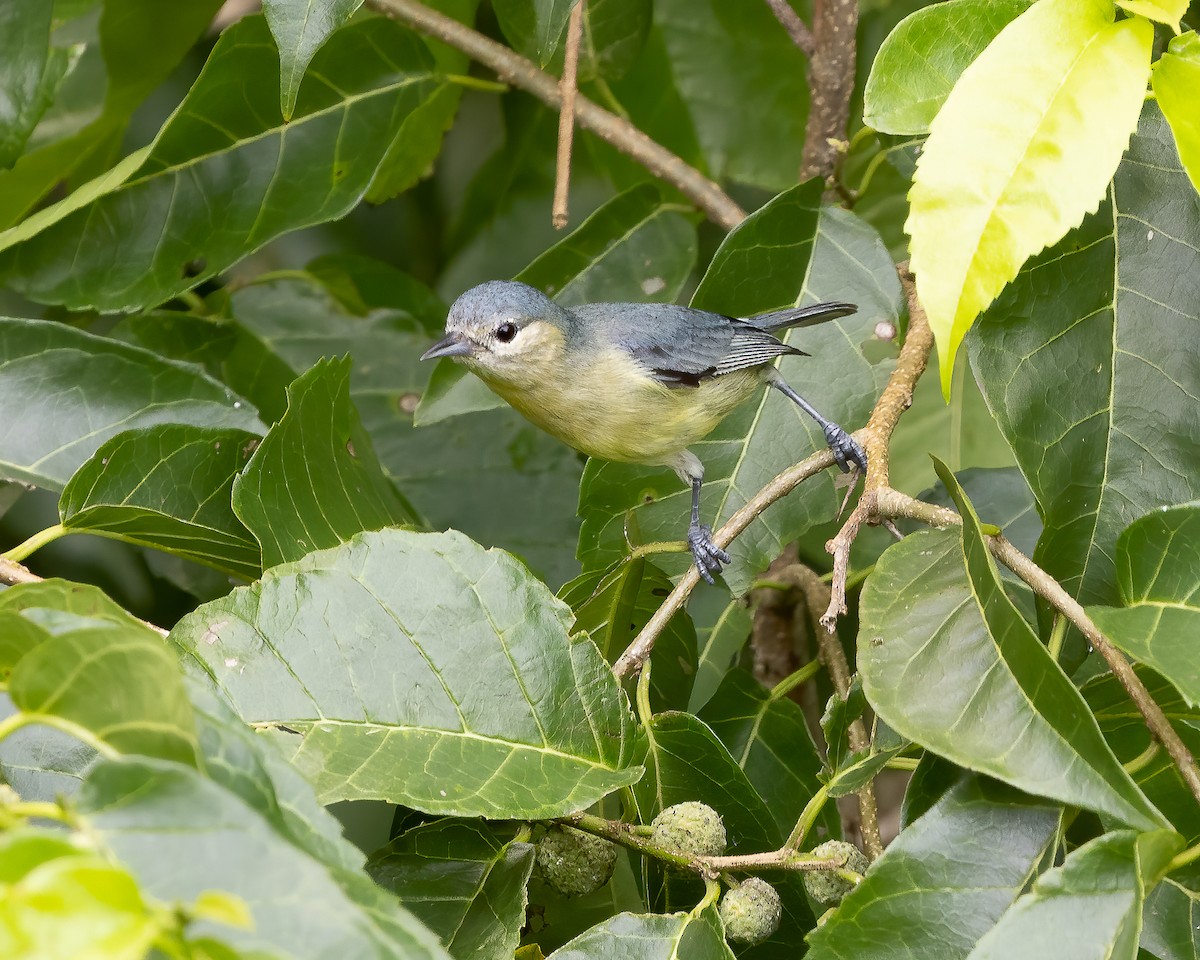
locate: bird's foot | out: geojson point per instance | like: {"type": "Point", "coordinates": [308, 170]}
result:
{"type": "Point", "coordinates": [708, 556]}
{"type": "Point", "coordinates": [846, 450]}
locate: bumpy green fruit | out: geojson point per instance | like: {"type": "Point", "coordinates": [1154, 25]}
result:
{"type": "Point", "coordinates": [574, 862]}
{"type": "Point", "coordinates": [751, 911]}
{"type": "Point", "coordinates": [693, 828]}
{"type": "Point", "coordinates": [827, 887]}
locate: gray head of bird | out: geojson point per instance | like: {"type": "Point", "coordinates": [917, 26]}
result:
{"type": "Point", "coordinates": [502, 328]}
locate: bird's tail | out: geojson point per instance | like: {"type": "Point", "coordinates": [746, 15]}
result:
{"type": "Point", "coordinates": [801, 316]}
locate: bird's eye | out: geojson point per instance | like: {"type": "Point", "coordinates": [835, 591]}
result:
{"type": "Point", "coordinates": [505, 332]}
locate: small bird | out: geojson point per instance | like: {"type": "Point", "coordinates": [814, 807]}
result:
{"type": "Point", "coordinates": [632, 382]}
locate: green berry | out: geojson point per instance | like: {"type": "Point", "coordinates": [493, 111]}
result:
{"type": "Point", "coordinates": [693, 828]}
{"type": "Point", "coordinates": [574, 862]}
{"type": "Point", "coordinates": [827, 887]}
{"type": "Point", "coordinates": [751, 911]}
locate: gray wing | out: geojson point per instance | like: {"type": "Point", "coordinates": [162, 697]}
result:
{"type": "Point", "coordinates": [678, 345]}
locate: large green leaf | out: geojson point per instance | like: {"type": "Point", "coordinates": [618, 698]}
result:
{"type": "Point", "coordinates": [1172, 918]}
{"type": "Point", "coordinates": [29, 73]}
{"type": "Point", "coordinates": [768, 737]}
{"type": "Point", "coordinates": [493, 475]}
{"type": "Point", "coordinates": [922, 58]}
{"type": "Point", "coordinates": [1092, 902]}
{"type": "Point", "coordinates": [227, 148]}
{"type": "Point", "coordinates": [314, 480]}
{"type": "Point", "coordinates": [181, 834]}
{"type": "Point", "coordinates": [1080, 361]}
{"type": "Point", "coordinates": [945, 880]}
{"type": "Point", "coordinates": [635, 248]}
{"type": "Point", "coordinates": [612, 608]}
{"type": "Point", "coordinates": [417, 622]}
{"type": "Point", "coordinates": [300, 28]}
{"type": "Point", "coordinates": [1124, 728]}
{"type": "Point", "coordinates": [76, 390]}
{"type": "Point", "coordinates": [1175, 80]}
{"type": "Point", "coordinates": [1158, 575]}
{"type": "Point", "coordinates": [734, 66]}
{"type": "Point", "coordinates": [650, 937]}
{"type": "Point", "coordinates": [167, 487]}
{"type": "Point", "coordinates": [788, 252]}
{"type": "Point", "coordinates": [466, 880]}
{"type": "Point", "coordinates": [71, 676]}
{"type": "Point", "coordinates": [947, 661]}
{"type": "Point", "coordinates": [1023, 148]}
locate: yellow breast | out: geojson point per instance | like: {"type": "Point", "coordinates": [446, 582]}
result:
{"type": "Point", "coordinates": [608, 406]}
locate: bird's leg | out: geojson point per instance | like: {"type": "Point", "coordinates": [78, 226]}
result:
{"type": "Point", "coordinates": [708, 555]}
{"type": "Point", "coordinates": [846, 450]}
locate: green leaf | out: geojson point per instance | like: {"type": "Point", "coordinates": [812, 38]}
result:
{"type": "Point", "coordinates": [636, 248]}
{"type": "Point", "coordinates": [1023, 148]}
{"type": "Point", "coordinates": [1080, 361]}
{"type": "Point", "coordinates": [922, 58]}
{"type": "Point", "coordinates": [61, 903]}
{"type": "Point", "coordinates": [612, 608]}
{"type": "Point", "coordinates": [769, 739]}
{"type": "Point", "coordinates": [466, 881]}
{"type": "Point", "coordinates": [650, 937]}
{"type": "Point", "coordinates": [722, 628]}
{"type": "Point", "coordinates": [734, 66]}
{"type": "Point", "coordinates": [300, 28]}
{"type": "Point", "coordinates": [70, 677]}
{"type": "Point", "coordinates": [181, 834]}
{"type": "Point", "coordinates": [314, 480]}
{"type": "Point", "coordinates": [1175, 80]}
{"type": "Point", "coordinates": [614, 35]}
{"type": "Point", "coordinates": [1163, 11]}
{"type": "Point", "coordinates": [535, 28]}
{"type": "Point", "coordinates": [76, 390]}
{"type": "Point", "coordinates": [685, 761]}
{"type": "Point", "coordinates": [227, 147]}
{"type": "Point", "coordinates": [1158, 575]}
{"type": "Point", "coordinates": [416, 619]}
{"type": "Point", "coordinates": [167, 487]}
{"type": "Point", "coordinates": [788, 252]}
{"type": "Point", "coordinates": [1124, 728]}
{"type": "Point", "coordinates": [29, 73]}
{"type": "Point", "coordinates": [1093, 901]}
{"type": "Point", "coordinates": [947, 661]}
{"type": "Point", "coordinates": [945, 880]}
{"type": "Point", "coordinates": [1170, 931]}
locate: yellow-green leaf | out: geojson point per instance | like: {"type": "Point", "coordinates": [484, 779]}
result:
{"type": "Point", "coordinates": [1162, 11]}
{"type": "Point", "coordinates": [1177, 85]}
{"type": "Point", "coordinates": [1023, 148]}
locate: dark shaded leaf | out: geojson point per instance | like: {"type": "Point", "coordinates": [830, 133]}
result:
{"type": "Point", "coordinates": [76, 390]}
{"type": "Point", "coordinates": [534, 28]}
{"type": "Point", "coordinates": [414, 619]}
{"type": "Point", "coordinates": [1170, 915]}
{"type": "Point", "coordinates": [314, 480]}
{"type": "Point", "coordinates": [167, 487]}
{"type": "Point", "coordinates": [466, 881]}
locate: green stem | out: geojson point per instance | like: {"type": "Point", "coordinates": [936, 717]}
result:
{"type": "Point", "coordinates": [1143, 759]}
{"type": "Point", "coordinates": [808, 817]}
{"type": "Point", "coordinates": [658, 546]}
{"type": "Point", "coordinates": [712, 891]}
{"type": "Point", "coordinates": [791, 682]}
{"type": "Point", "coordinates": [476, 83]}
{"type": "Point", "coordinates": [36, 542]}
{"type": "Point", "coordinates": [1057, 633]}
{"type": "Point", "coordinates": [42, 810]}
{"type": "Point", "coordinates": [872, 166]}
{"type": "Point", "coordinates": [195, 302]}
{"type": "Point", "coordinates": [645, 714]}
{"type": "Point", "coordinates": [1181, 860]}
{"type": "Point", "coordinates": [902, 763]}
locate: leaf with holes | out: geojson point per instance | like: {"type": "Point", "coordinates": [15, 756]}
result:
{"type": "Point", "coordinates": [415, 619]}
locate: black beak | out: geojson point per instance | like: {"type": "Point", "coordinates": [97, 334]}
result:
{"type": "Point", "coordinates": [451, 345]}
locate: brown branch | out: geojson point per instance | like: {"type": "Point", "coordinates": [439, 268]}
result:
{"type": "Point", "coordinates": [637, 652]}
{"type": "Point", "coordinates": [797, 29]}
{"type": "Point", "coordinates": [566, 116]}
{"type": "Point", "coordinates": [831, 84]}
{"type": "Point", "coordinates": [519, 72]}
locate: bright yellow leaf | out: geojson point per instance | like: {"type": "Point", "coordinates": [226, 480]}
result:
{"type": "Point", "coordinates": [1177, 86]}
{"type": "Point", "coordinates": [1162, 11]}
{"type": "Point", "coordinates": [1022, 150]}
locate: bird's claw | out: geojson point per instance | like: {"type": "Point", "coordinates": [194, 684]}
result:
{"type": "Point", "coordinates": [846, 450]}
{"type": "Point", "coordinates": [708, 556]}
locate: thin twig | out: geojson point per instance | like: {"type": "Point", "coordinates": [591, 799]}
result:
{"type": "Point", "coordinates": [519, 72]}
{"type": "Point", "coordinates": [566, 116]}
{"type": "Point", "coordinates": [797, 29]}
